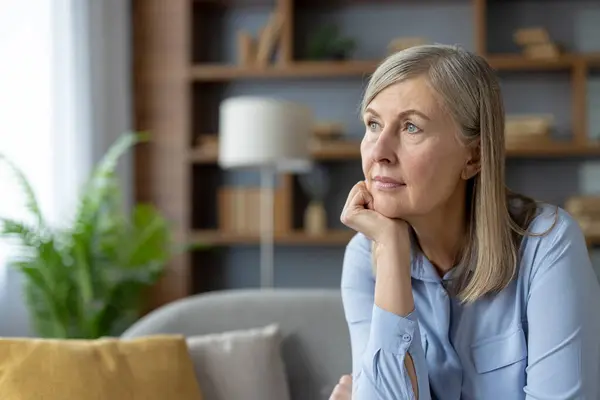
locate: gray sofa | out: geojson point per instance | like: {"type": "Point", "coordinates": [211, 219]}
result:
{"type": "Point", "coordinates": [316, 345]}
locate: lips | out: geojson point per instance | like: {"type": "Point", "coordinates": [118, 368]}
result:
{"type": "Point", "coordinates": [387, 179]}
{"type": "Point", "coordinates": [385, 182]}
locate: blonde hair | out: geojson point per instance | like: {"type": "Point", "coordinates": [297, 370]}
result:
{"type": "Point", "coordinates": [469, 89]}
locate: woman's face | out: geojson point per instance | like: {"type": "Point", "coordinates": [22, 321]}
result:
{"type": "Point", "coordinates": [412, 157]}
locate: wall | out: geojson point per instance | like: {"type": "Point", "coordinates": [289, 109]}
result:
{"type": "Point", "coordinates": [373, 26]}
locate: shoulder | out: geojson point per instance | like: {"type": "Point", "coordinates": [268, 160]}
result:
{"type": "Point", "coordinates": [554, 228]}
{"type": "Point", "coordinates": [550, 220]}
{"type": "Point", "coordinates": [553, 236]}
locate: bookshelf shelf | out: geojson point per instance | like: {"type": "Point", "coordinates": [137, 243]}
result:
{"type": "Point", "coordinates": [516, 62]}
{"type": "Point", "coordinates": [357, 68]}
{"type": "Point", "coordinates": [553, 149]}
{"type": "Point", "coordinates": [344, 149]}
{"type": "Point", "coordinates": [296, 238]}
{"type": "Point", "coordinates": [351, 151]}
{"type": "Point", "coordinates": [308, 70]}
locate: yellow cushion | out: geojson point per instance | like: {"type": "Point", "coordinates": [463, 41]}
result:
{"type": "Point", "coordinates": [150, 368]}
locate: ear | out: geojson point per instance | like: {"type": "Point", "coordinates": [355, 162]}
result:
{"type": "Point", "coordinates": [473, 164]}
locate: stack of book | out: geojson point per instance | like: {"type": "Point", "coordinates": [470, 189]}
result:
{"type": "Point", "coordinates": [527, 128]}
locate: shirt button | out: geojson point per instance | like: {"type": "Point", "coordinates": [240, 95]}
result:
{"type": "Point", "coordinates": [406, 337]}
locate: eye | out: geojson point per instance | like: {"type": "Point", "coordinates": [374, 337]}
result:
{"type": "Point", "coordinates": [411, 128]}
{"type": "Point", "coordinates": [373, 126]}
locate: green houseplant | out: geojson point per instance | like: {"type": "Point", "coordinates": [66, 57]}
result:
{"type": "Point", "coordinates": [327, 43]}
{"type": "Point", "coordinates": [87, 280]}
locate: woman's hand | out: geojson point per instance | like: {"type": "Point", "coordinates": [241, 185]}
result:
{"type": "Point", "coordinates": [343, 390]}
{"type": "Point", "coordinates": [358, 214]}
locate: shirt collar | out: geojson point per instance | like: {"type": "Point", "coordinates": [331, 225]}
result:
{"type": "Point", "coordinates": [422, 269]}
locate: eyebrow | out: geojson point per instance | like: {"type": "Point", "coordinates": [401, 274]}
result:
{"type": "Point", "coordinates": [404, 113]}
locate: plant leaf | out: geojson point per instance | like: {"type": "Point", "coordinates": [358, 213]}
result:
{"type": "Point", "coordinates": [150, 237]}
{"type": "Point", "coordinates": [31, 202]}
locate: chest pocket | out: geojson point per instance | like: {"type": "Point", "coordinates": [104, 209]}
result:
{"type": "Point", "coordinates": [499, 362]}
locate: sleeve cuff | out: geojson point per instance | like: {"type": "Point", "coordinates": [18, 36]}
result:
{"type": "Point", "coordinates": [391, 332]}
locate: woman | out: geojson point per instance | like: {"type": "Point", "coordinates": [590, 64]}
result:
{"type": "Point", "coordinates": [455, 288]}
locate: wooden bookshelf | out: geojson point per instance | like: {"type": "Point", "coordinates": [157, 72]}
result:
{"type": "Point", "coordinates": [294, 238]}
{"type": "Point", "coordinates": [179, 78]}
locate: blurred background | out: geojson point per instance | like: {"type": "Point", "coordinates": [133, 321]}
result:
{"type": "Point", "coordinates": [77, 75]}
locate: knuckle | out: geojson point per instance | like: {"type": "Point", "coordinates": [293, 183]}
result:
{"type": "Point", "coordinates": [345, 217]}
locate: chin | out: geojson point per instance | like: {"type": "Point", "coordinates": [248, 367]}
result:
{"type": "Point", "coordinates": [390, 208]}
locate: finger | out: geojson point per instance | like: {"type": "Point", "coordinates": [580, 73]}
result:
{"type": "Point", "coordinates": [340, 393]}
{"type": "Point", "coordinates": [365, 198]}
{"type": "Point", "coordinates": [351, 210]}
{"type": "Point", "coordinates": [368, 198]}
{"type": "Point", "coordinates": [351, 194]}
{"type": "Point", "coordinates": [346, 380]}
{"type": "Point", "coordinates": [358, 199]}
{"type": "Point", "coordinates": [349, 204]}
{"type": "Point", "coordinates": [355, 189]}
{"type": "Point", "coordinates": [357, 215]}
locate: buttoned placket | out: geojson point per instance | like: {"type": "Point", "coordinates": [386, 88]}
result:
{"type": "Point", "coordinates": [446, 357]}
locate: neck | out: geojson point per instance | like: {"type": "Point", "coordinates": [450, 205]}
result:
{"type": "Point", "coordinates": [441, 233]}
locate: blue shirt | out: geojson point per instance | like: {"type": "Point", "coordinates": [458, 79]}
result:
{"type": "Point", "coordinates": [537, 339]}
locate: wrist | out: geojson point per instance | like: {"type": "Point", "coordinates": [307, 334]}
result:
{"type": "Point", "coordinates": [390, 253]}
{"type": "Point", "coordinates": [395, 239]}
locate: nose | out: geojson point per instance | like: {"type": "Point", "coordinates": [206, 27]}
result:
{"type": "Point", "coordinates": [383, 150]}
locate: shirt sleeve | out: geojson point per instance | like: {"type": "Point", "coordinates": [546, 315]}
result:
{"type": "Point", "coordinates": [380, 339]}
{"type": "Point", "coordinates": [562, 313]}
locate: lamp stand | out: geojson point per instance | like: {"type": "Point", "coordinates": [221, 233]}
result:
{"type": "Point", "coordinates": [267, 227]}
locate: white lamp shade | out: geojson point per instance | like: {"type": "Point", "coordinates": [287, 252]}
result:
{"type": "Point", "coordinates": [256, 132]}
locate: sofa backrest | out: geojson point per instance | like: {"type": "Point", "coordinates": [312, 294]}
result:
{"type": "Point", "coordinates": [316, 345]}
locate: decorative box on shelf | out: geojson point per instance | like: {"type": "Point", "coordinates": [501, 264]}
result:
{"type": "Point", "coordinates": [536, 43]}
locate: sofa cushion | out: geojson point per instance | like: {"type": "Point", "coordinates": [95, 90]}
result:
{"type": "Point", "coordinates": [316, 344]}
{"type": "Point", "coordinates": [240, 364]}
{"type": "Point", "coordinates": [149, 368]}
